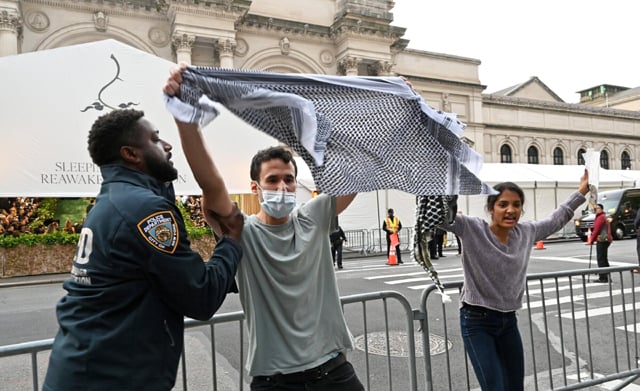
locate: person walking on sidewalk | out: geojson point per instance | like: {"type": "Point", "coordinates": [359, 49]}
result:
{"type": "Point", "coordinates": [392, 225]}
{"type": "Point", "coordinates": [337, 237]}
{"type": "Point", "coordinates": [440, 235]}
{"type": "Point", "coordinates": [601, 235]}
{"type": "Point", "coordinates": [494, 268]}
{"type": "Point", "coordinates": [636, 223]}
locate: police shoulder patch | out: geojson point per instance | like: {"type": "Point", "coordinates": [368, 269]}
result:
{"type": "Point", "coordinates": [160, 230]}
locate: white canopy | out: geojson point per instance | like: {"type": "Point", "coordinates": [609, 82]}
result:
{"type": "Point", "coordinates": [545, 187]}
{"type": "Point", "coordinates": [51, 98]}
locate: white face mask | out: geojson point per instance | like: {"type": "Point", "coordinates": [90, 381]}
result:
{"type": "Point", "coordinates": [277, 204]}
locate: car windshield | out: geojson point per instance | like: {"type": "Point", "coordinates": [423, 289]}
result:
{"type": "Point", "coordinates": [610, 201]}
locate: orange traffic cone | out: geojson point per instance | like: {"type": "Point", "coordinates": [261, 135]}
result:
{"type": "Point", "coordinates": [588, 236]}
{"type": "Point", "coordinates": [393, 261]}
{"type": "Point", "coordinates": [540, 245]}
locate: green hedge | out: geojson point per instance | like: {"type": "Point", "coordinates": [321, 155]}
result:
{"type": "Point", "coordinates": [61, 237]}
{"type": "Point", "coordinates": [30, 239]}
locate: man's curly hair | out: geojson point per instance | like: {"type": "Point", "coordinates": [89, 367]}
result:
{"type": "Point", "coordinates": [110, 132]}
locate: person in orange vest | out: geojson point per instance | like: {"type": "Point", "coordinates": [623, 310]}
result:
{"type": "Point", "coordinates": [392, 225]}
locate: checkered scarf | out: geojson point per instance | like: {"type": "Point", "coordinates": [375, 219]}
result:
{"type": "Point", "coordinates": [356, 134]}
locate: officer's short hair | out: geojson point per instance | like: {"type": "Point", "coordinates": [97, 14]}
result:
{"type": "Point", "coordinates": [110, 132]}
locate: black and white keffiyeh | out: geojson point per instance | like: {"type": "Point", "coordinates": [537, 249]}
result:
{"type": "Point", "coordinates": [356, 134]}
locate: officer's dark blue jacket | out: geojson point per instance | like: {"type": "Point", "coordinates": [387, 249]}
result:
{"type": "Point", "coordinates": [134, 278]}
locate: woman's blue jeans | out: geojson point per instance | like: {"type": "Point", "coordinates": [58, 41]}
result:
{"type": "Point", "coordinates": [494, 347]}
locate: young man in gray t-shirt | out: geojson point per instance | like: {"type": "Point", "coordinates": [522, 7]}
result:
{"type": "Point", "coordinates": [297, 332]}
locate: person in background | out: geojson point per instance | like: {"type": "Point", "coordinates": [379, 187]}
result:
{"type": "Point", "coordinates": [337, 237]}
{"type": "Point", "coordinates": [439, 240]}
{"type": "Point", "coordinates": [636, 223]}
{"type": "Point", "coordinates": [494, 268]}
{"type": "Point", "coordinates": [298, 336]}
{"type": "Point", "coordinates": [134, 276]}
{"type": "Point", "coordinates": [602, 237]}
{"type": "Point", "coordinates": [392, 225]}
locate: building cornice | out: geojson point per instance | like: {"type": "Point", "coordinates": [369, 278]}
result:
{"type": "Point", "coordinates": [443, 56]}
{"type": "Point", "coordinates": [232, 10]}
{"type": "Point", "coordinates": [447, 82]}
{"type": "Point", "coordinates": [109, 7]}
{"type": "Point", "coordinates": [348, 26]}
{"type": "Point", "coordinates": [519, 131]}
{"type": "Point", "coordinates": [576, 108]}
{"type": "Point", "coordinates": [259, 23]}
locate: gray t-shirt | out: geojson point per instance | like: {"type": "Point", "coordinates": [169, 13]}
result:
{"type": "Point", "coordinates": [289, 292]}
{"type": "Point", "coordinates": [494, 272]}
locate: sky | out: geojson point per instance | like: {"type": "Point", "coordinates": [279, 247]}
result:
{"type": "Point", "coordinates": [570, 45]}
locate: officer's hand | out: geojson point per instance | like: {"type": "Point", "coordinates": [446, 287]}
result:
{"type": "Point", "coordinates": [232, 224]}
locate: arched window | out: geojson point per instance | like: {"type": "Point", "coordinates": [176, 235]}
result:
{"type": "Point", "coordinates": [604, 159]}
{"type": "Point", "coordinates": [626, 160]}
{"type": "Point", "coordinates": [532, 155]}
{"type": "Point", "coordinates": [580, 157]}
{"type": "Point", "coordinates": [558, 158]}
{"type": "Point", "coordinates": [505, 154]}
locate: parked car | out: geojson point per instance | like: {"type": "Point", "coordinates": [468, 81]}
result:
{"type": "Point", "coordinates": [620, 206]}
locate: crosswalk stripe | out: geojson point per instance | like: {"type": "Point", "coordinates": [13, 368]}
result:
{"type": "Point", "coordinates": [441, 273]}
{"type": "Point", "coordinates": [610, 385]}
{"type": "Point", "coordinates": [578, 298]}
{"type": "Point", "coordinates": [630, 328]}
{"type": "Point", "coordinates": [599, 311]}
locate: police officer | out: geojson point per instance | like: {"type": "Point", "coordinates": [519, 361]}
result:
{"type": "Point", "coordinates": [134, 276]}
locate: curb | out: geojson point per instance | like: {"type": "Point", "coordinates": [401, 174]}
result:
{"type": "Point", "coordinates": [10, 282]}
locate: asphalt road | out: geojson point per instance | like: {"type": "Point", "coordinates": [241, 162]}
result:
{"type": "Point", "coordinates": [28, 311]}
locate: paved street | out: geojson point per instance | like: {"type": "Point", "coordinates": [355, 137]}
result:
{"type": "Point", "coordinates": [28, 310]}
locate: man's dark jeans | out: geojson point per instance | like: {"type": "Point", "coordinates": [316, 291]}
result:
{"type": "Point", "coordinates": [341, 378]}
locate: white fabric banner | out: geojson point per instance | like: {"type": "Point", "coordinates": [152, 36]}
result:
{"type": "Point", "coordinates": [52, 97]}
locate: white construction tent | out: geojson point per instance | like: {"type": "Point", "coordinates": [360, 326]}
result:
{"type": "Point", "coordinates": [545, 187]}
{"type": "Point", "coordinates": [53, 96]}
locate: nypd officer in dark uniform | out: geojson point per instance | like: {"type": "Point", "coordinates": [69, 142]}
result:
{"type": "Point", "coordinates": [134, 276]}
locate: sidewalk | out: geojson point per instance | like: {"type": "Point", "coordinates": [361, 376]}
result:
{"type": "Point", "coordinates": [33, 280]}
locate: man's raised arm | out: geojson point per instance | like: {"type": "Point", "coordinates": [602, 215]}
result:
{"type": "Point", "coordinates": [215, 196]}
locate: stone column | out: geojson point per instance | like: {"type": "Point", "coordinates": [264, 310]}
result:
{"type": "Point", "coordinates": [10, 32]}
{"type": "Point", "coordinates": [182, 44]}
{"type": "Point", "coordinates": [384, 68]}
{"type": "Point", "coordinates": [349, 66]}
{"type": "Point", "coordinates": [226, 48]}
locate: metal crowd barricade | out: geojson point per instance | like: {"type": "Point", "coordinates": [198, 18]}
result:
{"type": "Point", "coordinates": [560, 358]}
{"type": "Point", "coordinates": [192, 367]}
{"type": "Point", "coordinates": [566, 360]}
{"type": "Point", "coordinates": [357, 241]}
{"type": "Point", "coordinates": [378, 240]}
